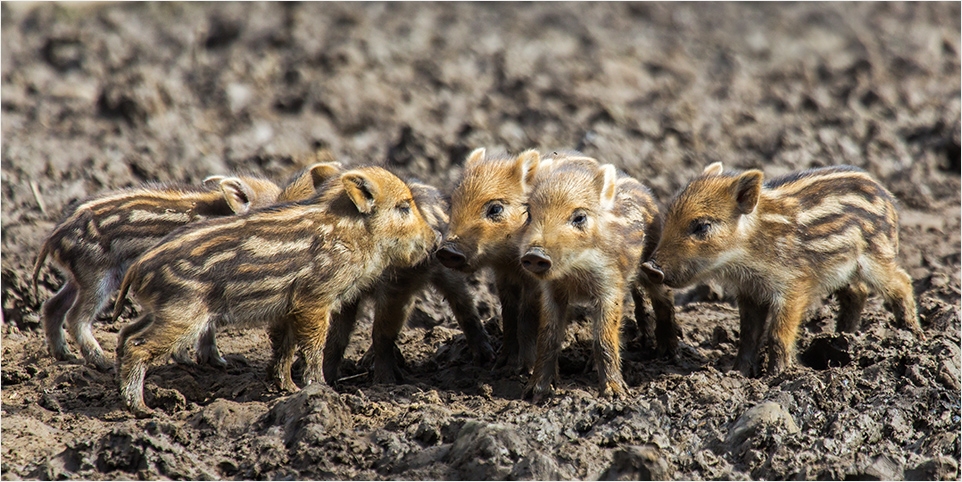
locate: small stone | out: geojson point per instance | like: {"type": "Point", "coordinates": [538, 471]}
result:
{"type": "Point", "coordinates": [937, 468]}
{"type": "Point", "coordinates": [644, 462]}
{"type": "Point", "coordinates": [884, 468]}
{"type": "Point", "coordinates": [765, 413]}
{"type": "Point", "coordinates": [538, 466]}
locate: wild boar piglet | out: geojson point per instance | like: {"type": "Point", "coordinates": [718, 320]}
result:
{"type": "Point", "coordinates": [488, 210]}
{"type": "Point", "coordinates": [288, 267]}
{"type": "Point", "coordinates": [304, 184]}
{"type": "Point", "coordinates": [98, 239]}
{"type": "Point", "coordinates": [780, 245]}
{"type": "Point", "coordinates": [393, 297]}
{"type": "Point", "coordinates": [588, 232]}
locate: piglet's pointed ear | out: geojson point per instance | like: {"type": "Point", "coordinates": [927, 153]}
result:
{"type": "Point", "coordinates": [213, 182]}
{"type": "Point", "coordinates": [713, 169]}
{"type": "Point", "coordinates": [307, 183]}
{"type": "Point", "coordinates": [474, 158]}
{"type": "Point", "coordinates": [322, 171]}
{"type": "Point", "coordinates": [606, 180]}
{"type": "Point", "coordinates": [361, 189]}
{"type": "Point", "coordinates": [747, 189]}
{"type": "Point", "coordinates": [527, 167]}
{"type": "Point", "coordinates": [237, 193]}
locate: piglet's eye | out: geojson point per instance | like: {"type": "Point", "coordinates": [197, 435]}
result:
{"type": "Point", "coordinates": [700, 228]}
{"type": "Point", "coordinates": [579, 219]}
{"type": "Point", "coordinates": [494, 211]}
{"type": "Point", "coordinates": [404, 207]}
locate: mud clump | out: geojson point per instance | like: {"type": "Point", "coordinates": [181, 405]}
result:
{"type": "Point", "coordinates": [101, 97]}
{"type": "Point", "coordinates": [756, 419]}
{"type": "Point", "coordinates": [310, 413]}
{"type": "Point", "coordinates": [486, 451]}
{"type": "Point", "coordinates": [638, 463]}
{"type": "Point", "coordinates": [226, 418]}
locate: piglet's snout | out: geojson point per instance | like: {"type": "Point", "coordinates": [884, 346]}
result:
{"type": "Point", "coordinates": [536, 261]}
{"type": "Point", "coordinates": [653, 271]}
{"type": "Point", "coordinates": [450, 256]}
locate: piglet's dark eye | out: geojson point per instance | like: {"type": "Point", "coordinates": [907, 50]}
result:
{"type": "Point", "coordinates": [404, 208]}
{"type": "Point", "coordinates": [494, 211]}
{"type": "Point", "coordinates": [699, 228]}
{"type": "Point", "coordinates": [578, 219]}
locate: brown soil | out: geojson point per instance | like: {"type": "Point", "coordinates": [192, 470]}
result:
{"type": "Point", "coordinates": [99, 97]}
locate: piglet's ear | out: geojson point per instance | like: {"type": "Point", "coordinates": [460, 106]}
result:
{"type": "Point", "coordinates": [527, 167]}
{"type": "Point", "coordinates": [361, 189]}
{"type": "Point", "coordinates": [747, 189]}
{"type": "Point", "coordinates": [606, 181]}
{"type": "Point", "coordinates": [237, 193]}
{"type": "Point", "coordinates": [474, 158]}
{"type": "Point", "coordinates": [212, 182]}
{"type": "Point", "coordinates": [713, 169]}
{"type": "Point", "coordinates": [322, 171]}
{"type": "Point", "coordinates": [307, 183]}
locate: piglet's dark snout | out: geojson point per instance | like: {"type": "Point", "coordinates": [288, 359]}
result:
{"type": "Point", "coordinates": [653, 271]}
{"type": "Point", "coordinates": [450, 256]}
{"type": "Point", "coordinates": [536, 261]}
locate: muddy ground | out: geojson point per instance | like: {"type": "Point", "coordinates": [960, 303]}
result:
{"type": "Point", "coordinates": [99, 97]}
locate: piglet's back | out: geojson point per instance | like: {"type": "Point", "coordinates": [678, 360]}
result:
{"type": "Point", "coordinates": [838, 207]}
{"type": "Point", "coordinates": [132, 220]}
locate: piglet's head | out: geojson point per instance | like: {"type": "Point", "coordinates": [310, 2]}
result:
{"type": "Point", "coordinates": [391, 216]}
{"type": "Point", "coordinates": [488, 210]}
{"type": "Point", "coordinates": [568, 210]}
{"type": "Point", "coordinates": [706, 226]}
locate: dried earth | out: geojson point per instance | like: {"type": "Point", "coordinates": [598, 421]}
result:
{"type": "Point", "coordinates": [99, 97]}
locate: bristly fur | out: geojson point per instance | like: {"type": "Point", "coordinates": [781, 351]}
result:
{"type": "Point", "coordinates": [782, 244]}
{"type": "Point", "coordinates": [288, 266]}
{"type": "Point", "coordinates": [100, 236]}
{"type": "Point", "coordinates": [483, 237]}
{"type": "Point", "coordinates": [393, 299]}
{"type": "Point", "coordinates": [590, 228]}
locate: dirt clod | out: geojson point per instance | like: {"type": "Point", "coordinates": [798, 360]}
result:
{"type": "Point", "coordinates": [767, 414]}
{"type": "Point", "coordinates": [638, 463]}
